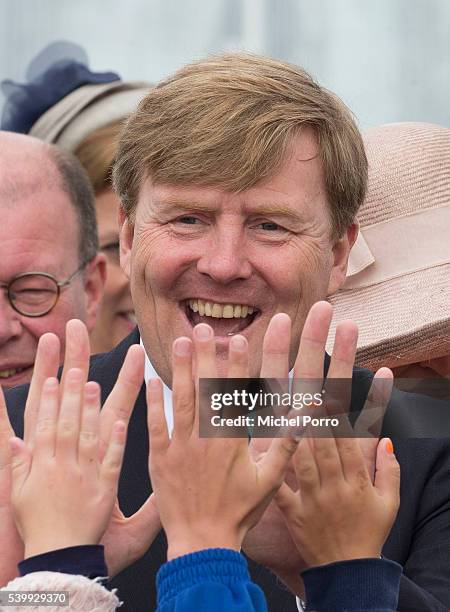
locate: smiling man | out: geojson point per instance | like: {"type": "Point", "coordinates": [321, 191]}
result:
{"type": "Point", "coordinates": [239, 179]}
{"type": "Point", "coordinates": [50, 270]}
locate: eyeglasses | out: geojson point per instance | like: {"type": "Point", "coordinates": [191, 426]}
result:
{"type": "Point", "coordinates": [35, 294]}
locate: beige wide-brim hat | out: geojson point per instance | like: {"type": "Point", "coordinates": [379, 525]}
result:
{"type": "Point", "coordinates": [398, 282]}
{"type": "Point", "coordinates": [86, 109]}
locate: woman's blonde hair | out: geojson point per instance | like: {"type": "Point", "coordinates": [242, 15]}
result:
{"type": "Point", "coordinates": [227, 121]}
{"type": "Point", "coordinates": [97, 153]}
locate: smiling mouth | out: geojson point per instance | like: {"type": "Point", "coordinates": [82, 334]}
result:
{"type": "Point", "coordinates": [10, 372]}
{"type": "Point", "coordinates": [225, 319]}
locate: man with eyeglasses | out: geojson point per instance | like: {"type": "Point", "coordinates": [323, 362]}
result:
{"type": "Point", "coordinates": [50, 269]}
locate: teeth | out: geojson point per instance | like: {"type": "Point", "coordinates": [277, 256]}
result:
{"type": "Point", "coordinates": [228, 311]}
{"type": "Point", "coordinates": [219, 311]}
{"type": "Point", "coordinates": [8, 373]}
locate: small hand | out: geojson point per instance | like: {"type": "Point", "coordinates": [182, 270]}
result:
{"type": "Point", "coordinates": [46, 364]}
{"type": "Point", "coordinates": [339, 514]}
{"type": "Point", "coordinates": [209, 491]}
{"type": "Point", "coordinates": [126, 538]}
{"type": "Point", "coordinates": [10, 541]}
{"type": "Point", "coordinates": [287, 560]}
{"type": "Point", "coordinates": [62, 492]}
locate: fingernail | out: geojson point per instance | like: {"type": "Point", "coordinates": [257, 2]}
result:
{"type": "Point", "coordinates": [74, 375]}
{"type": "Point", "coordinates": [203, 332]}
{"type": "Point", "coordinates": [390, 447]}
{"type": "Point", "coordinates": [51, 384]}
{"type": "Point", "coordinates": [182, 347]}
{"type": "Point", "coordinates": [238, 343]}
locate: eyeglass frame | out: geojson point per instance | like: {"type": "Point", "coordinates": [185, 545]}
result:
{"type": "Point", "coordinates": [59, 286]}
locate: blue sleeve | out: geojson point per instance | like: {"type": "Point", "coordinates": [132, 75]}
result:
{"type": "Point", "coordinates": [86, 561]}
{"type": "Point", "coordinates": [214, 579]}
{"type": "Point", "coordinates": [360, 585]}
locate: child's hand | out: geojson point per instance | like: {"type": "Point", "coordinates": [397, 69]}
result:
{"type": "Point", "coordinates": [209, 491]}
{"type": "Point", "coordinates": [338, 514]}
{"type": "Point", "coordinates": [63, 492]}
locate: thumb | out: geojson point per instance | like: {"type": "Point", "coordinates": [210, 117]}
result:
{"type": "Point", "coordinates": [145, 523]}
{"type": "Point", "coordinates": [141, 529]}
{"type": "Point", "coordinates": [387, 473]}
{"type": "Point", "coordinates": [20, 462]}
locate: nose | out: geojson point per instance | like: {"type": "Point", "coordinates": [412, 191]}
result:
{"type": "Point", "coordinates": [10, 323]}
{"type": "Point", "coordinates": [225, 258]}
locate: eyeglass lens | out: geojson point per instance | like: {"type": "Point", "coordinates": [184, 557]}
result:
{"type": "Point", "coordinates": [33, 294]}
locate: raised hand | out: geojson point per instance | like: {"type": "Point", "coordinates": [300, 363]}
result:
{"type": "Point", "coordinates": [270, 543]}
{"type": "Point", "coordinates": [46, 365]}
{"type": "Point", "coordinates": [209, 491]}
{"type": "Point", "coordinates": [126, 538]}
{"type": "Point", "coordinates": [339, 514]}
{"type": "Point", "coordinates": [10, 542]}
{"type": "Point", "coordinates": [62, 492]}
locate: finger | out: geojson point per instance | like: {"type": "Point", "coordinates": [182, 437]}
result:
{"type": "Point", "coordinates": [344, 350]}
{"type": "Point", "coordinates": [387, 474]}
{"type": "Point", "coordinates": [121, 400]}
{"type": "Point", "coordinates": [204, 363]}
{"type": "Point", "coordinates": [311, 352]}
{"type": "Point", "coordinates": [368, 448]}
{"type": "Point", "coordinates": [20, 463]}
{"type": "Point", "coordinates": [275, 462]}
{"type": "Point", "coordinates": [112, 461]}
{"type": "Point", "coordinates": [276, 346]}
{"type": "Point", "coordinates": [77, 350]}
{"type": "Point", "coordinates": [156, 418]}
{"type": "Point", "coordinates": [68, 427]}
{"type": "Point", "coordinates": [238, 357]}
{"type": "Point", "coordinates": [45, 366]}
{"type": "Point", "coordinates": [205, 351]}
{"type": "Point", "coordinates": [142, 528]}
{"type": "Point", "coordinates": [309, 364]}
{"type": "Point", "coordinates": [327, 461]}
{"type": "Point", "coordinates": [47, 419]}
{"type": "Point", "coordinates": [6, 432]}
{"type": "Point", "coordinates": [370, 420]}
{"type": "Point", "coordinates": [183, 388]}
{"type": "Point", "coordinates": [305, 467]}
{"type": "Point", "coordinates": [352, 460]}
{"type": "Point", "coordinates": [338, 385]}
{"type": "Point", "coordinates": [88, 444]}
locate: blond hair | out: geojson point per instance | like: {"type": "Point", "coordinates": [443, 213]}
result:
{"type": "Point", "coordinates": [227, 121]}
{"type": "Point", "coordinates": [97, 153]}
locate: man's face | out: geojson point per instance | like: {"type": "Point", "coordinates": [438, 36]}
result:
{"type": "Point", "coordinates": [248, 255]}
{"type": "Point", "coordinates": [38, 233]}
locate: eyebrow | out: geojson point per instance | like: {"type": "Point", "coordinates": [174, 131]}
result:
{"type": "Point", "coordinates": [280, 209]}
{"type": "Point", "coordinates": [169, 205]}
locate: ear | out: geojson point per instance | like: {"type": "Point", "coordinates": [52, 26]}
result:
{"type": "Point", "coordinates": [126, 232]}
{"type": "Point", "coordinates": [341, 251]}
{"type": "Point", "coordinates": [94, 282]}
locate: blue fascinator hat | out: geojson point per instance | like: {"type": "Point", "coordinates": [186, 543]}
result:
{"type": "Point", "coordinates": [63, 101]}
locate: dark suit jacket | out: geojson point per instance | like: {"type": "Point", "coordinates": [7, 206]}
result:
{"type": "Point", "coordinates": [419, 540]}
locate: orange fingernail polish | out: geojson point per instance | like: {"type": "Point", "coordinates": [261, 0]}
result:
{"type": "Point", "coordinates": [389, 447]}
